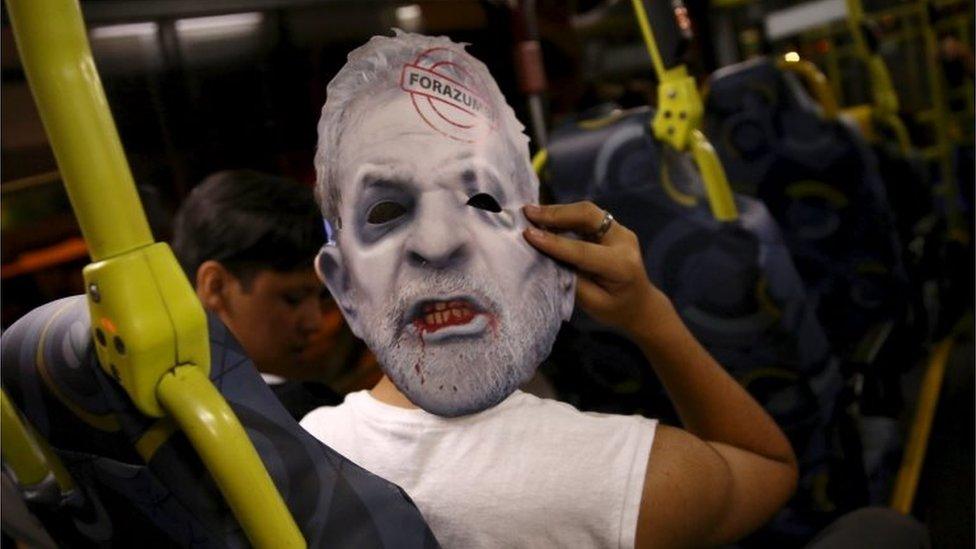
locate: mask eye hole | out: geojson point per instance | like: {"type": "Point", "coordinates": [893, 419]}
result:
{"type": "Point", "coordinates": [385, 212]}
{"type": "Point", "coordinates": [485, 201]}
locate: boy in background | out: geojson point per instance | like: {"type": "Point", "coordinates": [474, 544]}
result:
{"type": "Point", "coordinates": [247, 241]}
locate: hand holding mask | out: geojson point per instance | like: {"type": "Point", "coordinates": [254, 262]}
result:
{"type": "Point", "coordinates": [613, 286]}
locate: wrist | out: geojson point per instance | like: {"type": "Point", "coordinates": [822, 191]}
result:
{"type": "Point", "coordinates": [655, 317]}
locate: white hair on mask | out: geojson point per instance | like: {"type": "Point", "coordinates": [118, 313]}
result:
{"type": "Point", "coordinates": [372, 71]}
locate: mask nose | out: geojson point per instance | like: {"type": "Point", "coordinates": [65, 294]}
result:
{"type": "Point", "coordinates": [438, 239]}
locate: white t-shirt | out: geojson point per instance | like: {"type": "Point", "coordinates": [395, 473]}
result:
{"type": "Point", "coordinates": [529, 472]}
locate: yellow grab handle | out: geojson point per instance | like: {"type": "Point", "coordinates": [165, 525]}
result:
{"type": "Point", "coordinates": [33, 463]}
{"type": "Point", "coordinates": [679, 104]}
{"type": "Point", "coordinates": [149, 326]}
{"type": "Point", "coordinates": [20, 451]}
{"type": "Point", "coordinates": [869, 121]}
{"type": "Point", "coordinates": [816, 82]}
{"type": "Point", "coordinates": [678, 119]}
{"type": "Point", "coordinates": [906, 481]}
{"type": "Point", "coordinates": [898, 130]}
{"type": "Point", "coordinates": [539, 161]}
{"type": "Point", "coordinates": [884, 98]}
{"type": "Point", "coordinates": [211, 426]}
{"type": "Point", "coordinates": [649, 41]}
{"type": "Point", "coordinates": [720, 197]}
{"type": "Point", "coordinates": [863, 116]}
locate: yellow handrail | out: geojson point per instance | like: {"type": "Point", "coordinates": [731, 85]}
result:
{"type": "Point", "coordinates": [649, 42]}
{"type": "Point", "coordinates": [677, 122]}
{"type": "Point", "coordinates": [947, 189]}
{"type": "Point", "coordinates": [32, 462]}
{"type": "Point", "coordinates": [720, 197]}
{"type": "Point", "coordinates": [884, 98]}
{"type": "Point", "coordinates": [717, 190]}
{"type": "Point", "coordinates": [679, 105]}
{"type": "Point", "coordinates": [815, 81]}
{"type": "Point", "coordinates": [149, 327]}
{"type": "Point", "coordinates": [218, 436]}
{"type": "Point", "coordinates": [539, 161]}
{"type": "Point", "coordinates": [906, 481]}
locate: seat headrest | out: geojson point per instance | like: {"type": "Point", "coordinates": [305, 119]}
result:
{"type": "Point", "coordinates": [146, 473]}
{"type": "Point", "coordinates": [757, 83]}
{"type": "Point", "coordinates": [616, 153]}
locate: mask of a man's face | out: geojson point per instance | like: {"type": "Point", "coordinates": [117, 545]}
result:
{"type": "Point", "coordinates": [430, 265]}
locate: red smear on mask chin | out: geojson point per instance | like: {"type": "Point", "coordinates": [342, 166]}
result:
{"type": "Point", "coordinates": [420, 359]}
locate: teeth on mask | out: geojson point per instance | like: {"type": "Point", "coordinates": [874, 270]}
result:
{"type": "Point", "coordinates": [445, 313]}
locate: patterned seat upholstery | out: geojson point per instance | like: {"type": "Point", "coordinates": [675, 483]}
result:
{"type": "Point", "coordinates": [143, 484]}
{"type": "Point", "coordinates": [820, 181]}
{"type": "Point", "coordinates": [733, 284]}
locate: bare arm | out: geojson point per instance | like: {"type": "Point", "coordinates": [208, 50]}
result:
{"type": "Point", "coordinates": [731, 468]}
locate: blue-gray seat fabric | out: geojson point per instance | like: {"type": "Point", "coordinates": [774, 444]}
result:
{"type": "Point", "coordinates": [733, 283]}
{"type": "Point", "coordinates": [820, 180]}
{"type": "Point", "coordinates": [50, 371]}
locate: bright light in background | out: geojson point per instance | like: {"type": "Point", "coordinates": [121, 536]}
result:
{"type": "Point", "coordinates": [219, 25]}
{"type": "Point", "coordinates": [131, 30]}
{"type": "Point", "coordinates": [805, 15]}
{"type": "Point", "coordinates": [126, 48]}
{"type": "Point", "coordinates": [792, 57]}
{"type": "Point", "coordinates": [410, 18]}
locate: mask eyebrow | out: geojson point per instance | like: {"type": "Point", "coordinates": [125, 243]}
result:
{"type": "Point", "coordinates": [372, 183]}
{"type": "Point", "coordinates": [476, 176]}
{"type": "Point", "coordinates": [383, 176]}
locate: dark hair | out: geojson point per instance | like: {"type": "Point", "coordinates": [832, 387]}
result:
{"type": "Point", "coordinates": [248, 221]}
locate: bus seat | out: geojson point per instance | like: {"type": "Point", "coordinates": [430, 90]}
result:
{"type": "Point", "coordinates": [144, 483]}
{"type": "Point", "coordinates": [733, 284]}
{"type": "Point", "coordinates": [820, 180]}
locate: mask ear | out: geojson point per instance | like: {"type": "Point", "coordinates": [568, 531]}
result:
{"type": "Point", "coordinates": [332, 272]}
{"type": "Point", "coordinates": [567, 286]}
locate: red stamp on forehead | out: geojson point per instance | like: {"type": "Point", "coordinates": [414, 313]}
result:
{"type": "Point", "coordinates": [448, 96]}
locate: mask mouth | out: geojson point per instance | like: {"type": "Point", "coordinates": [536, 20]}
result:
{"type": "Point", "coordinates": [436, 320]}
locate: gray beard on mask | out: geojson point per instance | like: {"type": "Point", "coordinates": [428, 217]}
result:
{"type": "Point", "coordinates": [465, 375]}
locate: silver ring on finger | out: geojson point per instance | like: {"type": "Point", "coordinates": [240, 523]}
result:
{"type": "Point", "coordinates": [602, 230]}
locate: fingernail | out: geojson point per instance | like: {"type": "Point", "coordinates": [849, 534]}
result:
{"type": "Point", "coordinates": [532, 209]}
{"type": "Point", "coordinates": [535, 233]}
